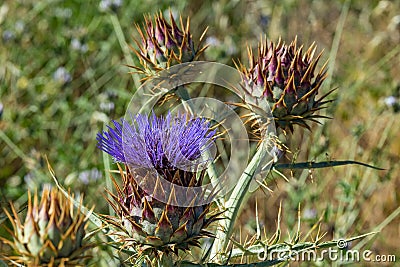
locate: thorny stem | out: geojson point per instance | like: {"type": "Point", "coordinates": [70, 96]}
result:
{"type": "Point", "coordinates": [233, 204]}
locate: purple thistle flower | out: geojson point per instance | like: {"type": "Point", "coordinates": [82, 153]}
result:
{"type": "Point", "coordinates": [164, 143]}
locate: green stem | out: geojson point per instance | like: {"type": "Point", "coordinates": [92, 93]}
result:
{"type": "Point", "coordinates": [234, 203]}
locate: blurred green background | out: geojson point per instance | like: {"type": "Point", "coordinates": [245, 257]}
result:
{"type": "Point", "coordinates": [63, 76]}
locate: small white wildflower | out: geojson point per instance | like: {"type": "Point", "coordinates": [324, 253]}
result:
{"type": "Point", "coordinates": [78, 46]}
{"type": "Point", "coordinates": [104, 5]}
{"type": "Point", "coordinates": [107, 106]}
{"type": "Point", "coordinates": [310, 214]}
{"type": "Point", "coordinates": [84, 48]}
{"type": "Point", "coordinates": [390, 101]}
{"type": "Point", "coordinates": [8, 35]}
{"type": "Point", "coordinates": [75, 44]}
{"type": "Point", "coordinates": [89, 175]}
{"type": "Point", "coordinates": [19, 26]}
{"type": "Point", "coordinates": [62, 75]}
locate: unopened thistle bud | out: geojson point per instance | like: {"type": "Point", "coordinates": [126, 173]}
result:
{"type": "Point", "coordinates": [285, 77]}
{"type": "Point", "coordinates": [164, 44]}
{"type": "Point", "coordinates": [52, 234]}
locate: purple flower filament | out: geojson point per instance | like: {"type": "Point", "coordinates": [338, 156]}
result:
{"type": "Point", "coordinates": [164, 143]}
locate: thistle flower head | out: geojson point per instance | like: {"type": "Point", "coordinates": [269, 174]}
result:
{"type": "Point", "coordinates": [52, 234]}
{"type": "Point", "coordinates": [164, 143]}
{"type": "Point", "coordinates": [285, 77]}
{"type": "Point", "coordinates": [164, 44]}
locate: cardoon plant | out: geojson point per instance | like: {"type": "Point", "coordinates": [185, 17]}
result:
{"type": "Point", "coordinates": [165, 145]}
{"type": "Point", "coordinates": [162, 207]}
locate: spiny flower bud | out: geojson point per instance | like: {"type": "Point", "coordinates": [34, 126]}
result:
{"type": "Point", "coordinates": [52, 234]}
{"type": "Point", "coordinates": [165, 44]}
{"type": "Point", "coordinates": [283, 76]}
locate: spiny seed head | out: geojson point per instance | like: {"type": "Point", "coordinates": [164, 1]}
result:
{"type": "Point", "coordinates": [52, 234]}
{"type": "Point", "coordinates": [285, 77]}
{"type": "Point", "coordinates": [164, 44]}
